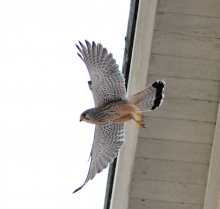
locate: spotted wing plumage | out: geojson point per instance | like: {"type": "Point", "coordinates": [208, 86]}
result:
{"type": "Point", "coordinates": [108, 140]}
{"type": "Point", "coordinates": [107, 82]}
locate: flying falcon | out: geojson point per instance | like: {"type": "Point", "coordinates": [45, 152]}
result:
{"type": "Point", "coordinates": [112, 107]}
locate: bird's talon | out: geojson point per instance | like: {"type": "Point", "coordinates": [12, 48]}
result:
{"type": "Point", "coordinates": [138, 114]}
{"type": "Point", "coordinates": [139, 122]}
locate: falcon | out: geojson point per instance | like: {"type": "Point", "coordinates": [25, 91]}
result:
{"type": "Point", "coordinates": [112, 107]}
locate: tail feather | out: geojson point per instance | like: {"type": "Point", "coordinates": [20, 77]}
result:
{"type": "Point", "coordinates": [150, 98]}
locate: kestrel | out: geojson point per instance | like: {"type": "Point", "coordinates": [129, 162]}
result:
{"type": "Point", "coordinates": [112, 107]}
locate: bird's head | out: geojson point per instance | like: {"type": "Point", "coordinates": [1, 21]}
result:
{"type": "Point", "coordinates": [88, 116]}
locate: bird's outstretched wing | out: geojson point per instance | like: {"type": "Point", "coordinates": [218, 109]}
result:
{"type": "Point", "coordinates": [108, 140]}
{"type": "Point", "coordinates": [107, 82]}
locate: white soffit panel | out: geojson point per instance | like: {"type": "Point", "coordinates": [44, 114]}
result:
{"type": "Point", "coordinates": [137, 81]}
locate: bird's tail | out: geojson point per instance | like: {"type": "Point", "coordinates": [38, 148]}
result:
{"type": "Point", "coordinates": [149, 98]}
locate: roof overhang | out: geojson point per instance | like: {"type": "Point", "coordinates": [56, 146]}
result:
{"type": "Point", "coordinates": [137, 82]}
{"type": "Point", "coordinates": [212, 196]}
{"type": "Point", "coordinates": [129, 40]}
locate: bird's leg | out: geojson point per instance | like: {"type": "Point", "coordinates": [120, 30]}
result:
{"type": "Point", "coordinates": [139, 122]}
{"type": "Point", "coordinates": [138, 114]}
{"type": "Point", "coordinates": [125, 118]}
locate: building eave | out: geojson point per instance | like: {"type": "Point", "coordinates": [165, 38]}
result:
{"type": "Point", "coordinates": [212, 196]}
{"type": "Point", "coordinates": [129, 40]}
{"type": "Point", "coordinates": [137, 81]}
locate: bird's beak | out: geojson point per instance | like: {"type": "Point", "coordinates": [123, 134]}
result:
{"type": "Point", "coordinates": [81, 118]}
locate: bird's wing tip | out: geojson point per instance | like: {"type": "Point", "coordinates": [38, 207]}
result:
{"type": "Point", "coordinates": [78, 189]}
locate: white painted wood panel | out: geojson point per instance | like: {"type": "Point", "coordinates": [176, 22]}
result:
{"type": "Point", "coordinates": [165, 65]}
{"type": "Point", "coordinates": [194, 7]}
{"type": "Point", "coordinates": [178, 130]}
{"type": "Point", "coordinates": [151, 204]}
{"type": "Point", "coordinates": [171, 171]}
{"type": "Point", "coordinates": [186, 109]}
{"type": "Point", "coordinates": [167, 191]}
{"type": "Point", "coordinates": [191, 25]}
{"type": "Point", "coordinates": [171, 150]}
{"type": "Point", "coordinates": [189, 88]}
{"type": "Point", "coordinates": [212, 198]}
{"type": "Point", "coordinates": [138, 76]}
{"type": "Point", "coordinates": [185, 46]}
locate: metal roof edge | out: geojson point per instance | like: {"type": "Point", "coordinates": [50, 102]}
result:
{"type": "Point", "coordinates": [129, 40]}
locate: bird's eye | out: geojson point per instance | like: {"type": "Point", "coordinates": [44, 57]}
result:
{"type": "Point", "coordinates": [86, 117]}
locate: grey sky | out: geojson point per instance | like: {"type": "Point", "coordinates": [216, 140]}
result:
{"type": "Point", "coordinates": [43, 90]}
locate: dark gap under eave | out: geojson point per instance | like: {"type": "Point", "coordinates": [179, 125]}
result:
{"type": "Point", "coordinates": [129, 40]}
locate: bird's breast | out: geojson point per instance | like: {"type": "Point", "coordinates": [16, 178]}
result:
{"type": "Point", "coordinates": [108, 112]}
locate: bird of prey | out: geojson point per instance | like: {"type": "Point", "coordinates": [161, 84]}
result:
{"type": "Point", "coordinates": [112, 107]}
